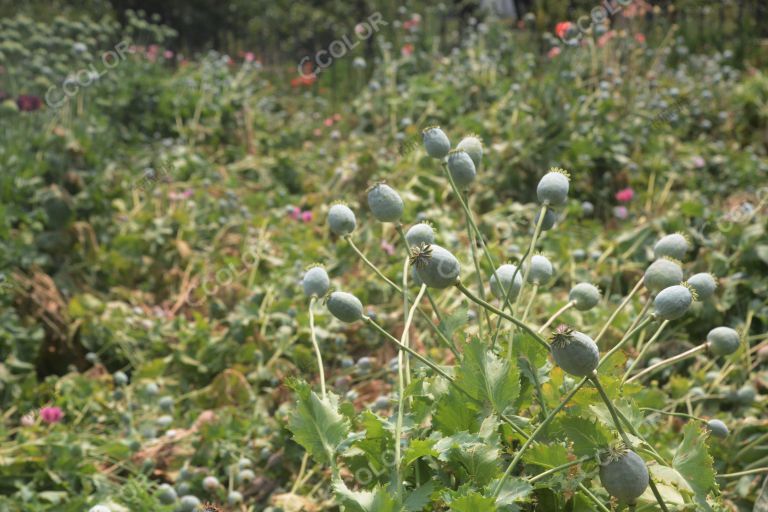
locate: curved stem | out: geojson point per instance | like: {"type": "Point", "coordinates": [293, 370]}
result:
{"type": "Point", "coordinates": [617, 422]}
{"type": "Point", "coordinates": [399, 229]}
{"type": "Point", "coordinates": [559, 468]}
{"type": "Point", "coordinates": [618, 310]}
{"type": "Point", "coordinates": [531, 248]}
{"type": "Point", "coordinates": [373, 267]}
{"type": "Point", "coordinates": [319, 356]}
{"type": "Point", "coordinates": [645, 350]}
{"type": "Point", "coordinates": [624, 340]}
{"type": "Point", "coordinates": [406, 338]}
{"type": "Point", "coordinates": [669, 361]}
{"type": "Point", "coordinates": [530, 302]}
{"type": "Point", "coordinates": [568, 305]}
{"type": "Point", "coordinates": [743, 473]}
{"type": "Point", "coordinates": [502, 314]}
{"type": "Point", "coordinates": [678, 414]}
{"type": "Point", "coordinates": [505, 302]}
{"type": "Point", "coordinates": [535, 433]}
{"type": "Point", "coordinates": [478, 271]}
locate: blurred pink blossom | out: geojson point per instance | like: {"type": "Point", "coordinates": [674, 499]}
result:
{"type": "Point", "coordinates": [698, 162]}
{"type": "Point", "coordinates": [168, 54]}
{"type": "Point", "coordinates": [51, 414]}
{"type": "Point", "coordinates": [554, 52]}
{"type": "Point", "coordinates": [296, 213]}
{"type": "Point", "coordinates": [620, 212]}
{"type": "Point", "coordinates": [625, 195]}
{"type": "Point", "coordinates": [306, 216]}
{"type": "Point", "coordinates": [387, 247]}
{"type": "Point", "coordinates": [249, 57]}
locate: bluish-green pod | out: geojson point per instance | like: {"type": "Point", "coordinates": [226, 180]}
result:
{"type": "Point", "coordinates": [316, 282]}
{"type": "Point", "coordinates": [462, 168]}
{"type": "Point", "coordinates": [436, 142]}
{"type": "Point", "coordinates": [341, 219]}
{"type": "Point", "coordinates": [474, 148]}
{"type": "Point", "coordinates": [504, 274]}
{"type": "Point", "coordinates": [385, 203]}
{"type": "Point", "coordinates": [746, 394]}
{"type": "Point", "coordinates": [723, 341]}
{"type": "Point", "coordinates": [421, 233]}
{"type": "Point", "coordinates": [672, 246]}
{"type": "Point", "coordinates": [705, 285]}
{"type": "Point", "coordinates": [540, 270]}
{"type": "Point", "coordinates": [625, 477]}
{"type": "Point", "coordinates": [166, 494]}
{"type": "Point", "coordinates": [553, 188]}
{"type": "Point", "coordinates": [211, 483]}
{"type": "Point", "coordinates": [440, 269]}
{"type": "Point", "coordinates": [574, 352]}
{"type": "Point", "coordinates": [718, 428]}
{"type": "Point", "coordinates": [662, 274]}
{"type": "Point", "coordinates": [189, 503]}
{"type": "Point", "coordinates": [345, 306]}
{"type": "Point", "coordinates": [585, 296]}
{"type": "Point", "coordinates": [673, 302]}
{"type": "Point", "coordinates": [234, 498]}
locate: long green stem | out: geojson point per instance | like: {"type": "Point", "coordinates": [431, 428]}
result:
{"type": "Point", "coordinates": [624, 340]}
{"type": "Point", "coordinates": [399, 229]}
{"type": "Point", "coordinates": [530, 302]}
{"type": "Point", "coordinates": [502, 314]}
{"type": "Point", "coordinates": [448, 343]}
{"type": "Point", "coordinates": [559, 468]}
{"type": "Point", "coordinates": [478, 271]}
{"type": "Point", "coordinates": [531, 248]}
{"type": "Point", "coordinates": [505, 303]}
{"type": "Point", "coordinates": [617, 422]}
{"type": "Point", "coordinates": [401, 390]}
{"type": "Point", "coordinates": [568, 305]}
{"type": "Point", "coordinates": [618, 310]}
{"type": "Point", "coordinates": [406, 338]}
{"type": "Point", "coordinates": [672, 360]}
{"type": "Point", "coordinates": [320, 369]}
{"type": "Point", "coordinates": [645, 350]}
{"type": "Point", "coordinates": [743, 473]}
{"type": "Point", "coordinates": [677, 414]}
{"type": "Point", "coordinates": [535, 433]}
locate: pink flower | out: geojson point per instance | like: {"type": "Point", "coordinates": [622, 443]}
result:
{"type": "Point", "coordinates": [249, 57]}
{"type": "Point", "coordinates": [698, 162]}
{"type": "Point", "coordinates": [51, 414]}
{"type": "Point", "coordinates": [306, 216]}
{"type": "Point", "coordinates": [554, 52]}
{"type": "Point", "coordinates": [387, 247]}
{"type": "Point", "coordinates": [620, 212]}
{"type": "Point", "coordinates": [603, 39]}
{"type": "Point", "coordinates": [168, 54]}
{"type": "Point", "coordinates": [625, 195]}
{"type": "Point", "coordinates": [640, 38]}
{"type": "Point", "coordinates": [407, 50]}
{"type": "Point", "coordinates": [328, 122]}
{"type": "Point", "coordinates": [296, 213]}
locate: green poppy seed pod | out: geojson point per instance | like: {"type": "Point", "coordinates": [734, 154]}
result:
{"type": "Point", "coordinates": [723, 341]}
{"type": "Point", "coordinates": [661, 274]}
{"type": "Point", "coordinates": [189, 503]}
{"type": "Point", "coordinates": [718, 428]}
{"type": "Point", "coordinates": [385, 204]}
{"type": "Point", "coordinates": [345, 306]}
{"type": "Point", "coordinates": [672, 246]}
{"type": "Point", "coordinates": [462, 168]}
{"type": "Point", "coordinates": [746, 394]}
{"type": "Point", "coordinates": [437, 267]}
{"type": "Point", "coordinates": [316, 282]}
{"type": "Point", "coordinates": [550, 217]}
{"type": "Point", "coordinates": [234, 497]}
{"type": "Point", "coordinates": [553, 188]}
{"type": "Point", "coordinates": [435, 142]}
{"type": "Point", "coordinates": [504, 275]}
{"type": "Point", "coordinates": [574, 352]}
{"type": "Point", "coordinates": [705, 285]}
{"type": "Point", "coordinates": [585, 296]}
{"type": "Point", "coordinates": [540, 270]}
{"type": "Point", "coordinates": [474, 148]}
{"type": "Point", "coordinates": [624, 476]}
{"type": "Point", "coordinates": [671, 303]}
{"type": "Point", "coordinates": [421, 233]}
{"type": "Point", "coordinates": [210, 483]}
{"type": "Point", "coordinates": [166, 494]}
{"type": "Point", "coordinates": [341, 219]}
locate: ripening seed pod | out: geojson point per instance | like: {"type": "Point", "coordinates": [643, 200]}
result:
{"type": "Point", "coordinates": [436, 142]}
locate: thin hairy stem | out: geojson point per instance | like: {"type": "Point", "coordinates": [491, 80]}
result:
{"type": "Point", "coordinates": [672, 360]}
{"type": "Point", "coordinates": [531, 248]}
{"type": "Point", "coordinates": [530, 302]}
{"type": "Point", "coordinates": [645, 350]}
{"type": "Point", "coordinates": [497, 311]}
{"type": "Point", "coordinates": [478, 271]}
{"type": "Point", "coordinates": [568, 305]}
{"type": "Point", "coordinates": [373, 267]}
{"type": "Point", "coordinates": [406, 338]}
{"type": "Point", "coordinates": [628, 336]}
{"type": "Point", "coordinates": [618, 310]}
{"type": "Point", "coordinates": [559, 468]}
{"type": "Point", "coordinates": [319, 356]}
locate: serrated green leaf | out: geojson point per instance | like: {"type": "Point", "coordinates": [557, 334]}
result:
{"type": "Point", "coordinates": [487, 377]}
{"type": "Point", "coordinates": [587, 436]}
{"type": "Point", "coordinates": [377, 500]}
{"type": "Point", "coordinates": [514, 489]}
{"type": "Point", "coordinates": [473, 502]}
{"type": "Point", "coordinates": [476, 456]}
{"type": "Point", "coordinates": [419, 448]}
{"type": "Point", "coordinates": [317, 424]}
{"type": "Point", "coordinates": [453, 414]}
{"type": "Point", "coordinates": [419, 498]}
{"type": "Point", "coordinates": [694, 462]}
{"type": "Point", "coordinates": [546, 455]}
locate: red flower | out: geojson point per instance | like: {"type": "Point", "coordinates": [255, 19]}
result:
{"type": "Point", "coordinates": [407, 50]}
{"type": "Point", "coordinates": [562, 28]}
{"type": "Point", "coordinates": [625, 195]}
{"type": "Point", "coordinates": [29, 103]}
{"type": "Point", "coordinates": [640, 38]}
